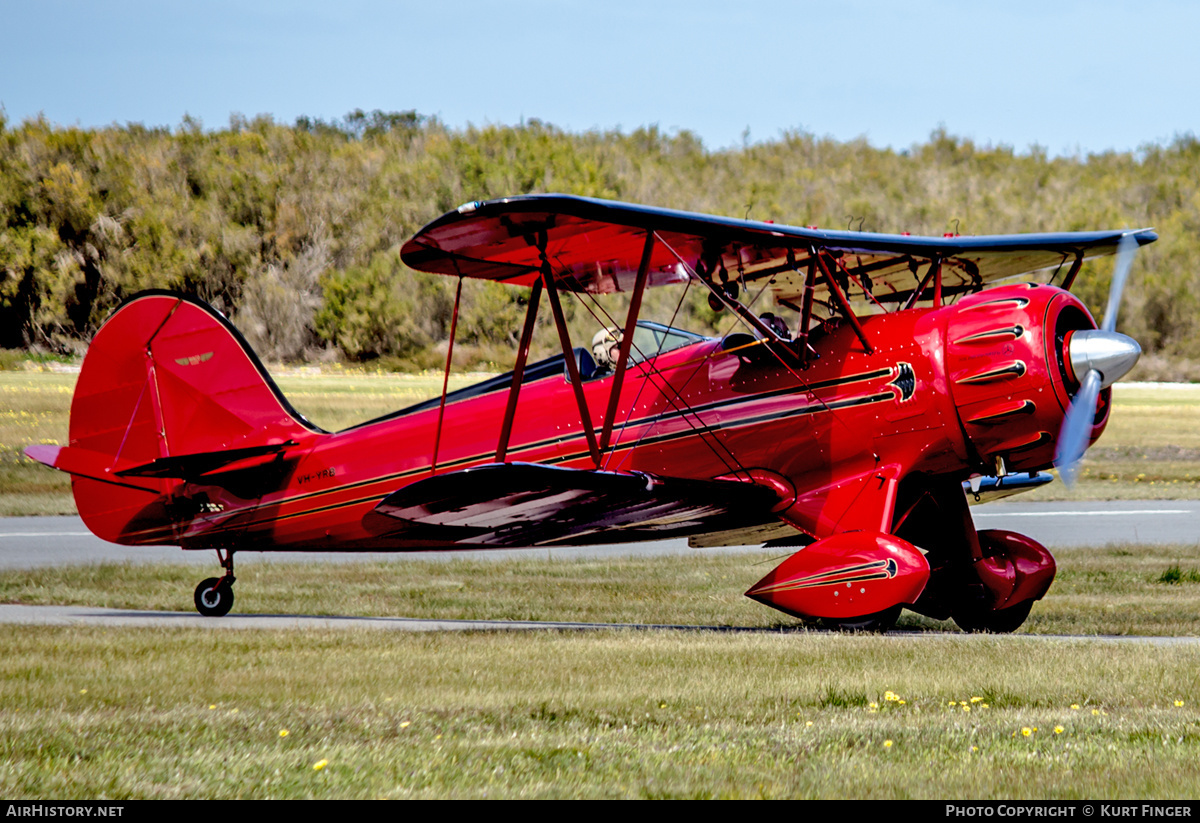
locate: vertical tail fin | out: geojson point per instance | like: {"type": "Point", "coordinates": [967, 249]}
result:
{"type": "Point", "coordinates": [166, 376]}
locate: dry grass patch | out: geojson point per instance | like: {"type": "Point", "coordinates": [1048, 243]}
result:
{"type": "Point", "coordinates": [646, 714]}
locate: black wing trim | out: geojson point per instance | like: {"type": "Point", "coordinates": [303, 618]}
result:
{"type": "Point", "coordinates": [193, 466]}
{"type": "Point", "coordinates": [527, 504]}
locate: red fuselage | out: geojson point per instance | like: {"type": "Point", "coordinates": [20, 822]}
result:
{"type": "Point", "coordinates": [944, 393]}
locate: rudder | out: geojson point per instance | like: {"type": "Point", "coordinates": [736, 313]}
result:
{"type": "Point", "coordinates": [165, 376]}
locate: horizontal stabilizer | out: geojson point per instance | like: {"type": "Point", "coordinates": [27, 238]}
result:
{"type": "Point", "coordinates": [81, 463]}
{"type": "Point", "coordinates": [525, 504]}
{"type": "Point", "coordinates": [193, 466]}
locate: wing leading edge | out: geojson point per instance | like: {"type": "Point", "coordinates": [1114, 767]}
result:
{"type": "Point", "coordinates": [596, 245]}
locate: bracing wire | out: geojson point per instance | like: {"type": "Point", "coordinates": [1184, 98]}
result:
{"type": "Point", "coordinates": [653, 374]}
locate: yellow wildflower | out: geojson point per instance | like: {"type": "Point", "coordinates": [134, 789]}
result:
{"type": "Point", "coordinates": [1075, 706]}
{"type": "Point", "coordinates": [406, 724]}
{"type": "Point", "coordinates": [283, 732]}
{"type": "Point", "coordinates": [1058, 730]}
{"type": "Point", "coordinates": [320, 764]}
{"type": "Point", "coordinates": [887, 744]}
{"type": "Point", "coordinates": [1179, 704]}
{"type": "Point", "coordinates": [976, 699]}
{"type": "Point", "coordinates": [1026, 731]}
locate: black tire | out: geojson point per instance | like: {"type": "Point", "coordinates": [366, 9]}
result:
{"type": "Point", "coordinates": [214, 597]}
{"type": "Point", "coordinates": [876, 623]}
{"type": "Point", "coordinates": [1002, 621]}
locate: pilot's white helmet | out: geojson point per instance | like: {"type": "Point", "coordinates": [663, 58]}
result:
{"type": "Point", "coordinates": [606, 346]}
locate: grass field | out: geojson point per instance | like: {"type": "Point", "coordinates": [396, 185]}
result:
{"type": "Point", "coordinates": [779, 712]}
{"type": "Point", "coordinates": [190, 713]}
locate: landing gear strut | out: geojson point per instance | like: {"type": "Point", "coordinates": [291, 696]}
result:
{"type": "Point", "coordinates": [214, 596]}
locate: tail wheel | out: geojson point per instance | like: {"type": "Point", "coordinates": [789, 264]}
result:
{"type": "Point", "coordinates": [993, 621]}
{"type": "Point", "coordinates": [214, 597]}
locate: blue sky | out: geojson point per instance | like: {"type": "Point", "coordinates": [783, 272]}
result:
{"type": "Point", "coordinates": [1071, 77]}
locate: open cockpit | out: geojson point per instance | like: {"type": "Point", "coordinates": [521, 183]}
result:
{"type": "Point", "coordinates": [650, 339]}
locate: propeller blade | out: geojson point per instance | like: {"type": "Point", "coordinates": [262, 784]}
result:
{"type": "Point", "coordinates": [1126, 251]}
{"type": "Point", "coordinates": [1115, 353]}
{"type": "Point", "coordinates": [1077, 428]}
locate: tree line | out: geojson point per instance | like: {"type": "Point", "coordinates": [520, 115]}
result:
{"type": "Point", "coordinates": [294, 231]}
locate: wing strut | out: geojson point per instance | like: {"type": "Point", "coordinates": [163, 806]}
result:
{"type": "Point", "coordinates": [510, 410]}
{"type": "Point", "coordinates": [1070, 281]}
{"type": "Point", "coordinates": [437, 438]}
{"type": "Point", "coordinates": [840, 298]}
{"type": "Point", "coordinates": [920, 289]}
{"type": "Point", "coordinates": [631, 318]}
{"type": "Point", "coordinates": [564, 338]}
{"type": "Point", "coordinates": [810, 285]}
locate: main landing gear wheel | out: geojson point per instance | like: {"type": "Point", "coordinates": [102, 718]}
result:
{"type": "Point", "coordinates": [214, 597]}
{"type": "Point", "coordinates": [1003, 621]}
{"type": "Point", "coordinates": [876, 623]}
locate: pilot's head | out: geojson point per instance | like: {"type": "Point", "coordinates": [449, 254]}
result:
{"type": "Point", "coordinates": [606, 346]}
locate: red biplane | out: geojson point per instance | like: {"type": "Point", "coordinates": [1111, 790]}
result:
{"type": "Point", "coordinates": [915, 371]}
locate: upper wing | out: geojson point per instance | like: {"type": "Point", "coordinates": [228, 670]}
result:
{"type": "Point", "coordinates": [596, 246]}
{"type": "Point", "coordinates": [527, 504]}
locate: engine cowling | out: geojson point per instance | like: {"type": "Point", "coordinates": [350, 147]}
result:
{"type": "Point", "coordinates": [1008, 365]}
